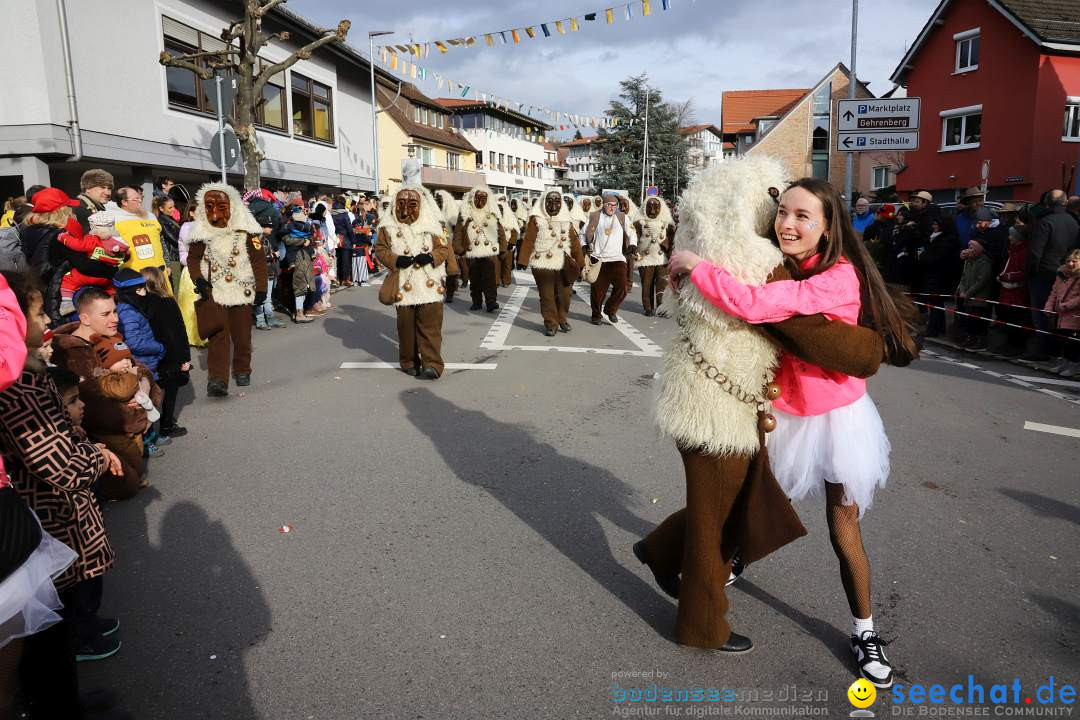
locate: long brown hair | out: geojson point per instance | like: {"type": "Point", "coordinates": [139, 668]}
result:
{"type": "Point", "coordinates": [156, 282]}
{"type": "Point", "coordinates": [882, 308]}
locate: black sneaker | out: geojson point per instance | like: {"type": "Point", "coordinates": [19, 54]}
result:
{"type": "Point", "coordinates": [870, 656]}
{"type": "Point", "coordinates": [243, 379]}
{"type": "Point", "coordinates": [493, 307]}
{"type": "Point", "coordinates": [736, 645]}
{"type": "Point", "coordinates": [98, 647]}
{"type": "Point", "coordinates": [173, 431]}
{"type": "Point", "coordinates": [476, 306]}
{"type": "Point", "coordinates": [217, 388]}
{"type": "Point", "coordinates": [550, 332]}
{"type": "Point", "coordinates": [737, 568]}
{"type": "Point", "coordinates": [428, 373]}
{"type": "Point", "coordinates": [565, 327]}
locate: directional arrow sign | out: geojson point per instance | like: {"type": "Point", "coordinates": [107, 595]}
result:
{"type": "Point", "coordinates": [877, 141]}
{"type": "Point", "coordinates": [899, 114]}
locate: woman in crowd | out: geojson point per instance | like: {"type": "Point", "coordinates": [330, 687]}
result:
{"type": "Point", "coordinates": [829, 439]}
{"type": "Point", "coordinates": [167, 324]}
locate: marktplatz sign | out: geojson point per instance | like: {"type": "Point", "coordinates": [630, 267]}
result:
{"type": "Point", "coordinates": [886, 124]}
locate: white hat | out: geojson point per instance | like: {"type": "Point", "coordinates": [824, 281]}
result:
{"type": "Point", "coordinates": [102, 218]}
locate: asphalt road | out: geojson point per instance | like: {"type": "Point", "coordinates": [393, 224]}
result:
{"type": "Point", "coordinates": [461, 549]}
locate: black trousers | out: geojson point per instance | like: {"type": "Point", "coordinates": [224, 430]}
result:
{"type": "Point", "coordinates": [482, 280]}
{"type": "Point", "coordinates": [168, 403]}
{"type": "Point", "coordinates": [344, 263]}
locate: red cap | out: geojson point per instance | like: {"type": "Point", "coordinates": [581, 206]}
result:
{"type": "Point", "coordinates": [50, 199]}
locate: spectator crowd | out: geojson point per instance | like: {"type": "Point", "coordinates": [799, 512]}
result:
{"type": "Point", "coordinates": [1003, 279]}
{"type": "Point", "coordinates": [96, 324]}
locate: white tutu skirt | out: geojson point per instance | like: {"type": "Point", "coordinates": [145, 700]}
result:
{"type": "Point", "coordinates": [847, 446]}
{"type": "Point", "coordinates": [28, 599]}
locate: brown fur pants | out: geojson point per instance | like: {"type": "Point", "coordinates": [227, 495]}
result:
{"type": "Point", "coordinates": [234, 339]}
{"type": "Point", "coordinates": [654, 280]}
{"type": "Point", "coordinates": [555, 294]}
{"type": "Point", "coordinates": [690, 541]}
{"type": "Point", "coordinates": [420, 336]}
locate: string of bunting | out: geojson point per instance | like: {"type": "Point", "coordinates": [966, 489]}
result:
{"type": "Point", "coordinates": [514, 36]}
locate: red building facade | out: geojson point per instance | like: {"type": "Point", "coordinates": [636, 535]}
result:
{"type": "Point", "coordinates": [1000, 83]}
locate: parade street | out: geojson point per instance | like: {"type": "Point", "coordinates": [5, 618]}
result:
{"type": "Point", "coordinates": [340, 540]}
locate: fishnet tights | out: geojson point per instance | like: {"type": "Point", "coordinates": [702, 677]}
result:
{"type": "Point", "coordinates": [846, 537]}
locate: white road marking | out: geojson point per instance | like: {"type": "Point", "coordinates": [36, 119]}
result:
{"type": "Point", "coordinates": [500, 329]}
{"type": "Point", "coordinates": [389, 339]}
{"type": "Point", "coordinates": [379, 365]}
{"type": "Point", "coordinates": [1051, 429]}
{"type": "Point", "coordinates": [1022, 381]}
{"type": "Point", "coordinates": [1048, 381]}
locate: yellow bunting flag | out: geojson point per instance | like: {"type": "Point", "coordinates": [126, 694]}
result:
{"type": "Point", "coordinates": [645, 9]}
{"type": "Point", "coordinates": [610, 13]}
{"type": "Point", "coordinates": [559, 27]}
{"type": "Point", "coordinates": [489, 40]}
{"type": "Point", "coordinates": [393, 61]}
{"type": "Point", "coordinates": [517, 38]}
{"type": "Point", "coordinates": [573, 25]}
{"type": "Point", "coordinates": [530, 32]}
{"type": "Point", "coordinates": [412, 71]}
{"type": "Point", "coordinates": [442, 46]}
{"type": "Point", "coordinates": [469, 42]}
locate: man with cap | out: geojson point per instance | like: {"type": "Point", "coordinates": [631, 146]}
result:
{"type": "Point", "coordinates": [610, 239]}
{"type": "Point", "coordinates": [96, 188]}
{"type": "Point", "coordinates": [552, 250]}
{"type": "Point", "coordinates": [481, 238]}
{"type": "Point", "coordinates": [412, 245]}
{"type": "Point", "coordinates": [227, 266]}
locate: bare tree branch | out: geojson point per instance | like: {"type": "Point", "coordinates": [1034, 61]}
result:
{"type": "Point", "coordinates": [261, 12]}
{"type": "Point", "coordinates": [202, 71]}
{"type": "Point", "coordinates": [232, 32]}
{"type": "Point", "coordinates": [302, 54]}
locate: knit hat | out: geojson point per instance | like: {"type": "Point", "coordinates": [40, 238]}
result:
{"type": "Point", "coordinates": [101, 219]}
{"type": "Point", "coordinates": [127, 278]}
{"type": "Point", "coordinates": [983, 214]}
{"type": "Point", "coordinates": [976, 246]}
{"type": "Point", "coordinates": [96, 178]}
{"type": "Point", "coordinates": [111, 350]}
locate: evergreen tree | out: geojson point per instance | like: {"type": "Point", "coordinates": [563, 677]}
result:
{"type": "Point", "coordinates": [621, 153]}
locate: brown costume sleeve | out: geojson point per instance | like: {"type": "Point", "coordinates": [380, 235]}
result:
{"type": "Point", "coordinates": [669, 243]}
{"type": "Point", "coordinates": [459, 237]}
{"type": "Point", "coordinates": [440, 251]}
{"type": "Point", "coordinates": [258, 261]}
{"type": "Point", "coordinates": [528, 244]}
{"type": "Point", "coordinates": [502, 239]}
{"type": "Point", "coordinates": [850, 349]}
{"type": "Point", "coordinates": [385, 255]}
{"type": "Point", "coordinates": [576, 253]}
{"type": "Point", "coordinates": [196, 250]}
{"type": "Point", "coordinates": [118, 386]}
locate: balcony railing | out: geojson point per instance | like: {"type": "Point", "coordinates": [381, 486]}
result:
{"type": "Point", "coordinates": [445, 177]}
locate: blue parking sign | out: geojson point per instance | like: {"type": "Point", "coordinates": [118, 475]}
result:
{"type": "Point", "coordinates": [862, 109]}
{"type": "Point", "coordinates": [860, 142]}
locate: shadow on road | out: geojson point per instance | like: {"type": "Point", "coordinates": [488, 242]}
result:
{"type": "Point", "coordinates": [560, 497]}
{"type": "Point", "coordinates": [831, 637]}
{"type": "Point", "coordinates": [1042, 505]}
{"type": "Point", "coordinates": [190, 609]}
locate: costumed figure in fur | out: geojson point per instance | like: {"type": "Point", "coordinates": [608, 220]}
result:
{"type": "Point", "coordinates": [513, 234]}
{"type": "Point", "coordinates": [656, 236]}
{"type": "Point", "coordinates": [713, 399]}
{"type": "Point", "coordinates": [413, 247]}
{"type": "Point", "coordinates": [481, 238]}
{"type": "Point", "coordinates": [552, 249]}
{"type": "Point", "coordinates": [457, 269]}
{"type": "Point", "coordinates": [227, 265]}
{"type": "Point", "coordinates": [577, 212]}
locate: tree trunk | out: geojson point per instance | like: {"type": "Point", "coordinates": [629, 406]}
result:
{"type": "Point", "coordinates": [245, 104]}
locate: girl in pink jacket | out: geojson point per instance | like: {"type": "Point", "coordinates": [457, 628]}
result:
{"type": "Point", "coordinates": [829, 439]}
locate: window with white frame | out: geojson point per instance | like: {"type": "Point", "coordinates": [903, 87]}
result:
{"type": "Point", "coordinates": [1072, 119]}
{"type": "Point", "coordinates": [881, 177]}
{"type": "Point", "coordinates": [967, 50]}
{"type": "Point", "coordinates": [961, 128]}
{"type": "Point", "coordinates": [453, 161]}
{"type": "Point", "coordinates": [425, 155]}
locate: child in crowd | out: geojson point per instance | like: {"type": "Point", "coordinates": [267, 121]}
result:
{"type": "Point", "coordinates": [1065, 301]}
{"type": "Point", "coordinates": [121, 381]}
{"type": "Point", "coordinates": [133, 309]}
{"type": "Point", "coordinates": [972, 294]}
{"type": "Point", "coordinates": [167, 323]}
{"type": "Point", "coordinates": [102, 246]}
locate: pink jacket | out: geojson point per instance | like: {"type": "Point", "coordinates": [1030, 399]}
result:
{"type": "Point", "coordinates": [1065, 301]}
{"type": "Point", "coordinates": [12, 346]}
{"type": "Point", "coordinates": [805, 389]}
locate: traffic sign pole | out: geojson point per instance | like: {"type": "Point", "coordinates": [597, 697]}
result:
{"type": "Point", "coordinates": [850, 167]}
{"type": "Point", "coordinates": [221, 128]}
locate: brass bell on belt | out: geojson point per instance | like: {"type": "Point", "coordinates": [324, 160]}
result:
{"type": "Point", "coordinates": [549, 254]}
{"type": "Point", "coordinates": [229, 277]}
{"type": "Point", "coordinates": [772, 391]}
{"type": "Point", "coordinates": [399, 297]}
{"type": "Point", "coordinates": [430, 283]}
{"type": "Point", "coordinates": [767, 422]}
{"type": "Point", "coordinates": [407, 287]}
{"type": "Point", "coordinates": [441, 290]}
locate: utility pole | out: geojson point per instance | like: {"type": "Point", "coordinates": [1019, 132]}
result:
{"type": "Point", "coordinates": [645, 150]}
{"type": "Point", "coordinates": [850, 167]}
{"type": "Point", "coordinates": [221, 128]}
{"type": "Point", "coordinates": [374, 102]}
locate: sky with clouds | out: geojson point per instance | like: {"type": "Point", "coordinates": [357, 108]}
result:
{"type": "Point", "coordinates": [694, 51]}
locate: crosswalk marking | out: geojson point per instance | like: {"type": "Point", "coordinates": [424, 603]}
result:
{"type": "Point", "coordinates": [1051, 429]}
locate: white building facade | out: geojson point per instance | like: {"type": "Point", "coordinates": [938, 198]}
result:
{"type": "Point", "coordinates": [137, 119]}
{"type": "Point", "coordinates": [705, 146]}
{"type": "Point", "coordinates": [509, 145]}
{"type": "Point", "coordinates": [583, 165]}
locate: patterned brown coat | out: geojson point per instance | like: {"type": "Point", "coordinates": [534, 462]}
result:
{"type": "Point", "coordinates": [52, 467]}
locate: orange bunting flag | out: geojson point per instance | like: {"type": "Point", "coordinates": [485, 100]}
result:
{"type": "Point", "coordinates": [517, 38]}
{"type": "Point", "coordinates": [393, 61]}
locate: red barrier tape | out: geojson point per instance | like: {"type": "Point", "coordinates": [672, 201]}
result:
{"type": "Point", "coordinates": [993, 321]}
{"type": "Point", "coordinates": [992, 302]}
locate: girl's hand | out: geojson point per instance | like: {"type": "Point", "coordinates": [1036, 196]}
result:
{"type": "Point", "coordinates": [683, 262]}
{"type": "Point", "coordinates": [185, 367]}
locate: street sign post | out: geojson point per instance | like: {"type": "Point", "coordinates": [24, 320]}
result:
{"type": "Point", "coordinates": [877, 141]}
{"type": "Point", "coordinates": [225, 141]}
{"type": "Point", "coordinates": [869, 124]}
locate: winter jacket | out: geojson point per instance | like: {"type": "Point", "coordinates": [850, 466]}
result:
{"type": "Point", "coordinates": [995, 241]}
{"type": "Point", "coordinates": [936, 264]}
{"type": "Point", "coordinates": [139, 336]}
{"type": "Point", "coordinates": [36, 247]}
{"type": "Point", "coordinates": [268, 216]}
{"type": "Point", "coordinates": [343, 227]}
{"type": "Point", "coordinates": [11, 253]}
{"type": "Point", "coordinates": [976, 280]}
{"type": "Point", "coordinates": [167, 323]}
{"type": "Point", "coordinates": [1055, 234]}
{"type": "Point", "coordinates": [170, 237]}
{"type": "Point", "coordinates": [52, 466]}
{"type": "Point", "coordinates": [1065, 301]}
{"type": "Point", "coordinates": [1013, 278]}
